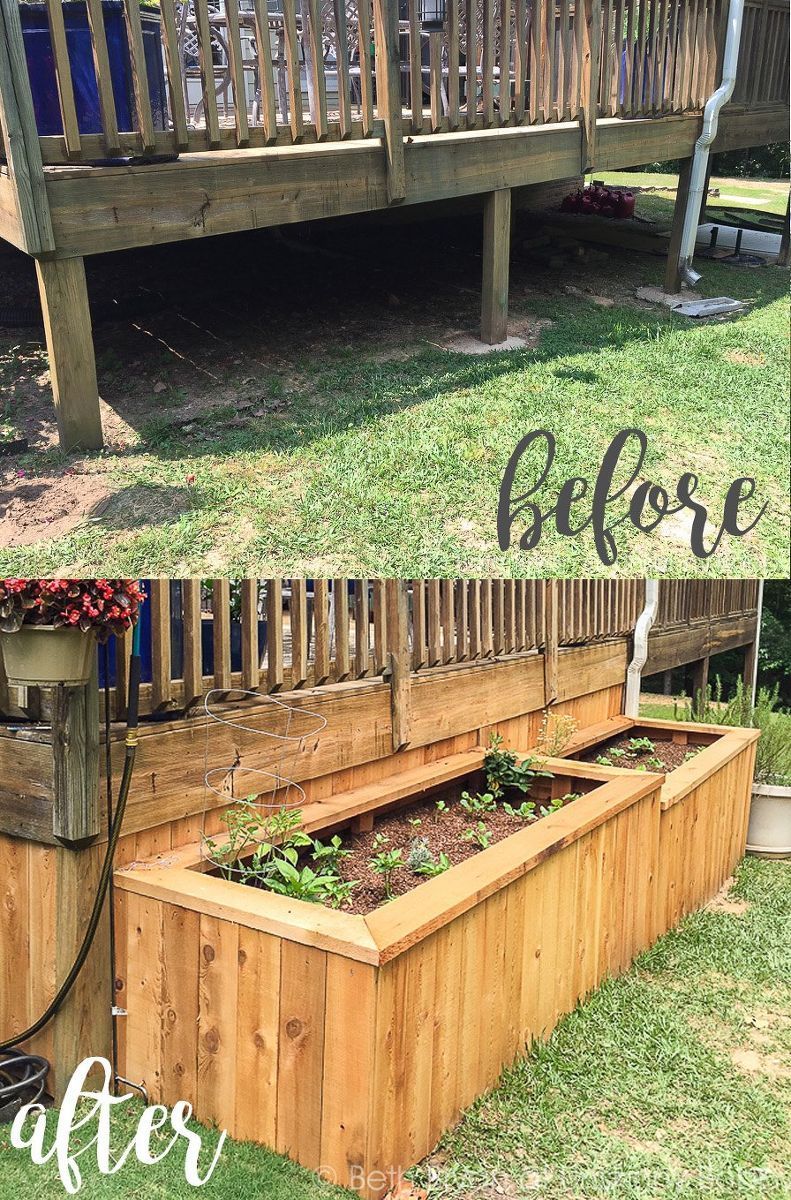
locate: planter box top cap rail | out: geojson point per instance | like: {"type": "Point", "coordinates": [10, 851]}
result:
{"type": "Point", "coordinates": [178, 878]}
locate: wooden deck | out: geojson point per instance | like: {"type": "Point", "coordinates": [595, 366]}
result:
{"type": "Point", "coordinates": [558, 91]}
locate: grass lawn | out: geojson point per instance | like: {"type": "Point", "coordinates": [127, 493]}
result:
{"type": "Point", "coordinates": [672, 1081]}
{"type": "Point", "coordinates": [301, 416]}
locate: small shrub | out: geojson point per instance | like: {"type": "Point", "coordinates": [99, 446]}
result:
{"type": "Point", "coordinates": [557, 730]}
{"type": "Point", "coordinates": [504, 771]}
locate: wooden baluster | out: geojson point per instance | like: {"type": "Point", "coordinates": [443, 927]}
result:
{"type": "Point", "coordinates": [435, 80]}
{"type": "Point", "coordinates": [192, 667]}
{"type": "Point", "coordinates": [473, 121]}
{"type": "Point", "coordinates": [274, 634]}
{"type": "Point", "coordinates": [550, 57]}
{"type": "Point", "coordinates": [475, 618]}
{"type": "Point", "coordinates": [362, 659]}
{"type": "Point", "coordinates": [249, 622]}
{"type": "Point", "coordinates": [487, 63]}
{"type": "Point", "coordinates": [641, 81]}
{"type": "Point", "coordinates": [448, 621]}
{"type": "Point", "coordinates": [314, 64]}
{"type": "Point", "coordinates": [60, 55]}
{"type": "Point", "coordinates": [579, 96]}
{"type": "Point", "coordinates": [101, 59]}
{"type": "Point", "coordinates": [537, 25]}
{"type": "Point", "coordinates": [454, 88]}
{"type": "Point", "coordinates": [564, 63]}
{"type": "Point", "coordinates": [295, 116]}
{"type": "Point", "coordinates": [161, 692]}
{"type": "Point", "coordinates": [380, 627]}
{"type": "Point", "coordinates": [487, 631]}
{"type": "Point", "coordinates": [221, 632]}
{"type": "Point", "coordinates": [418, 623]}
{"type": "Point", "coordinates": [300, 633]}
{"type": "Point", "coordinates": [340, 592]}
{"type": "Point", "coordinates": [342, 59]}
{"type": "Point", "coordinates": [208, 84]}
{"type": "Point", "coordinates": [139, 73]}
{"type": "Point", "coordinates": [498, 616]}
{"type": "Point", "coordinates": [509, 616]}
{"type": "Point", "coordinates": [658, 17]}
{"type": "Point", "coordinates": [462, 620]}
{"type": "Point", "coordinates": [504, 61]}
{"type": "Point", "coordinates": [321, 625]}
{"type": "Point", "coordinates": [626, 62]}
{"type": "Point", "coordinates": [366, 76]}
{"type": "Point", "coordinates": [520, 60]}
{"type": "Point", "coordinates": [236, 64]}
{"type": "Point", "coordinates": [266, 77]}
{"type": "Point", "coordinates": [170, 42]}
{"type": "Point", "coordinates": [415, 67]}
{"type": "Point", "coordinates": [605, 93]}
{"type": "Point", "coordinates": [434, 623]}
{"type": "Point", "coordinates": [123, 650]}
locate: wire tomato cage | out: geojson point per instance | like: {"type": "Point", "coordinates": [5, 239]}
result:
{"type": "Point", "coordinates": [294, 729]}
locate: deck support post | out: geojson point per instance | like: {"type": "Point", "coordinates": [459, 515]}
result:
{"type": "Point", "coordinates": [72, 363]}
{"type": "Point", "coordinates": [496, 256]}
{"type": "Point", "coordinates": [700, 680]}
{"type": "Point", "coordinates": [672, 271]}
{"type": "Point", "coordinates": [748, 667]}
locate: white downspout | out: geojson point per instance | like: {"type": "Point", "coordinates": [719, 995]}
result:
{"type": "Point", "coordinates": [700, 161]}
{"type": "Point", "coordinates": [642, 629]}
{"type": "Point", "coordinates": [754, 684]}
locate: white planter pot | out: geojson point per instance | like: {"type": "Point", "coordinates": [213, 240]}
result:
{"type": "Point", "coordinates": [769, 831]}
{"type": "Point", "coordinates": [43, 656]}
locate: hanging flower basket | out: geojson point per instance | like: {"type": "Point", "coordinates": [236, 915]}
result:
{"type": "Point", "coordinates": [49, 628]}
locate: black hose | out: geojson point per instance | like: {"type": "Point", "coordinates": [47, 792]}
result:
{"type": "Point", "coordinates": [23, 1070]}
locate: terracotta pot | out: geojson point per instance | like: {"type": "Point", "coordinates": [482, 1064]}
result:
{"type": "Point", "coordinates": [43, 656]}
{"type": "Point", "coordinates": [769, 831]}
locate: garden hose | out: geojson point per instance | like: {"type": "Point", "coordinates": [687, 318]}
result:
{"type": "Point", "coordinates": [23, 1075]}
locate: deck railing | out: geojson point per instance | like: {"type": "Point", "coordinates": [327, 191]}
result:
{"type": "Point", "coordinates": [217, 75]}
{"type": "Point", "coordinates": [275, 635]}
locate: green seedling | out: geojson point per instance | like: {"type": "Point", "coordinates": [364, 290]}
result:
{"type": "Point", "coordinates": [525, 812]}
{"type": "Point", "coordinates": [434, 867]}
{"type": "Point", "coordinates": [504, 771]}
{"type": "Point", "coordinates": [603, 761]}
{"type": "Point", "coordinates": [641, 743]}
{"type": "Point", "coordinates": [478, 834]}
{"type": "Point", "coordinates": [386, 863]}
{"type": "Point", "coordinates": [478, 803]}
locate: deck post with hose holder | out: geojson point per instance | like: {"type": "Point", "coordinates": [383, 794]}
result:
{"type": "Point", "coordinates": [59, 949]}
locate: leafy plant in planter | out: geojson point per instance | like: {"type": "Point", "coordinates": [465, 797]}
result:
{"type": "Point", "coordinates": [433, 866]}
{"type": "Point", "coordinates": [386, 863]}
{"type": "Point", "coordinates": [49, 627]}
{"type": "Point", "coordinates": [525, 812]}
{"type": "Point", "coordinates": [274, 864]}
{"type": "Point", "coordinates": [478, 804]}
{"type": "Point", "coordinates": [504, 772]}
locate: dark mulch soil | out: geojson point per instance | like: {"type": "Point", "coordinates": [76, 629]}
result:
{"type": "Point", "coordinates": [669, 755]}
{"type": "Point", "coordinates": [442, 832]}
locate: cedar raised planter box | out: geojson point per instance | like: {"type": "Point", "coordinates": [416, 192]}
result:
{"type": "Point", "coordinates": [704, 811]}
{"type": "Point", "coordinates": [349, 1042]}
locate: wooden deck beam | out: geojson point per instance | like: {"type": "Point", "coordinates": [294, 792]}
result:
{"type": "Point", "coordinates": [95, 210]}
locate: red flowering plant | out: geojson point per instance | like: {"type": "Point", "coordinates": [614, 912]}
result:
{"type": "Point", "coordinates": [100, 606]}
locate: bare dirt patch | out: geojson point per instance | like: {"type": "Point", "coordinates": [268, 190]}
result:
{"type": "Point", "coordinates": [755, 1063]}
{"type": "Point", "coordinates": [49, 505]}
{"type": "Point", "coordinates": [723, 902]}
{"type": "Point", "coordinates": [741, 358]}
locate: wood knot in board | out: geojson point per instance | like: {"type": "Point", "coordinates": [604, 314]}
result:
{"type": "Point", "coordinates": [208, 953]}
{"type": "Point", "coordinates": [294, 1028]}
{"type": "Point", "coordinates": [211, 1040]}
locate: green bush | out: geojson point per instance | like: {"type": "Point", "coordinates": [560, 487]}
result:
{"type": "Point", "coordinates": [773, 752]}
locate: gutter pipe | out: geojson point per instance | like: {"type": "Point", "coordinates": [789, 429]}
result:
{"type": "Point", "coordinates": [700, 160]}
{"type": "Point", "coordinates": [641, 631]}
